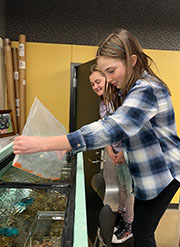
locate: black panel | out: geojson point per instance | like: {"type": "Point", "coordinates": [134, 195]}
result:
{"type": "Point", "coordinates": [155, 23]}
{"type": "Point", "coordinates": [2, 18]}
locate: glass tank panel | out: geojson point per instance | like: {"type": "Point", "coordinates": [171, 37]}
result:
{"type": "Point", "coordinates": [31, 217]}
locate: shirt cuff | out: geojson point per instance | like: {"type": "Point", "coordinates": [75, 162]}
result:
{"type": "Point", "coordinates": [76, 141]}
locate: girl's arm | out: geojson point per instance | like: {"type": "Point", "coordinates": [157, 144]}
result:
{"type": "Point", "coordinates": [34, 144]}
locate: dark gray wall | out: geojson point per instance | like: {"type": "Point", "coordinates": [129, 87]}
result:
{"type": "Point", "coordinates": [2, 18]}
{"type": "Point", "coordinates": [86, 22]}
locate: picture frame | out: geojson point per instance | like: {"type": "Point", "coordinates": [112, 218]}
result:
{"type": "Point", "coordinates": [6, 123]}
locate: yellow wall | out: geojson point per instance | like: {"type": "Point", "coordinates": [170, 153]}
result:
{"type": "Point", "coordinates": [82, 54]}
{"type": "Point", "coordinates": [48, 75]}
{"type": "Point", "coordinates": [48, 78]}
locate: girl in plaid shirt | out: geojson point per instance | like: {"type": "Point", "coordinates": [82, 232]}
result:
{"type": "Point", "coordinates": [145, 125]}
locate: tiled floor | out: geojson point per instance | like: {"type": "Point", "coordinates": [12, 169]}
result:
{"type": "Point", "coordinates": [168, 231]}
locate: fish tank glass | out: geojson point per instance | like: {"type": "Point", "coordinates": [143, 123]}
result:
{"type": "Point", "coordinates": [31, 217]}
{"type": "Point", "coordinates": [36, 211]}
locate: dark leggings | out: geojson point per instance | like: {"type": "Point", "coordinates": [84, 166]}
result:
{"type": "Point", "coordinates": [147, 215]}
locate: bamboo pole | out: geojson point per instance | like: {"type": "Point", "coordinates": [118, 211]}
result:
{"type": "Point", "coordinates": [22, 80]}
{"type": "Point", "coordinates": [10, 81]}
{"type": "Point", "coordinates": [16, 82]}
{"type": "Point", "coordinates": [2, 77]}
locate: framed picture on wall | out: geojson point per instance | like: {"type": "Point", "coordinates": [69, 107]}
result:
{"type": "Point", "coordinates": [6, 123]}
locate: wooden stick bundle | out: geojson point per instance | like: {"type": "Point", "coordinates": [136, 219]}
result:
{"type": "Point", "coordinates": [22, 80]}
{"type": "Point", "coordinates": [10, 81]}
{"type": "Point", "coordinates": [2, 77]}
{"type": "Point", "coordinates": [16, 82]}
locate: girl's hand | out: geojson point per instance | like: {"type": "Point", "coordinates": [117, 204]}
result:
{"type": "Point", "coordinates": [28, 144]}
{"type": "Point", "coordinates": [119, 159]}
{"type": "Point", "coordinates": [111, 153]}
{"type": "Point", "coordinates": [60, 154]}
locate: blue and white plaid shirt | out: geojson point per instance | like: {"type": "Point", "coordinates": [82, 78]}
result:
{"type": "Point", "coordinates": [145, 124]}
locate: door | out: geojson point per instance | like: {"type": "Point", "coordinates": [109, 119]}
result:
{"type": "Point", "coordinates": [84, 109]}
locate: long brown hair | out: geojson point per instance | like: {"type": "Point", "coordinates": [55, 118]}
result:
{"type": "Point", "coordinates": [122, 44]}
{"type": "Point", "coordinates": [111, 93]}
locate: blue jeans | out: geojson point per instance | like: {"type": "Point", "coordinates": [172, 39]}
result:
{"type": "Point", "coordinates": [147, 215]}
